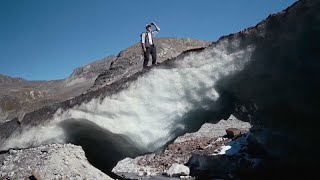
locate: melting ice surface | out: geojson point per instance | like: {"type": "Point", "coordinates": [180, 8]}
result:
{"type": "Point", "coordinates": [153, 106]}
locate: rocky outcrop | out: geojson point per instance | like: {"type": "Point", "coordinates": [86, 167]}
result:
{"type": "Point", "coordinates": [89, 71]}
{"type": "Point", "coordinates": [130, 60]}
{"type": "Point", "coordinates": [208, 140]}
{"type": "Point", "coordinates": [209, 130]}
{"type": "Point", "coordinates": [55, 161]}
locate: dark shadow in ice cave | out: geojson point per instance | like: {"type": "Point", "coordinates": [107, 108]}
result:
{"type": "Point", "coordinates": [103, 148]}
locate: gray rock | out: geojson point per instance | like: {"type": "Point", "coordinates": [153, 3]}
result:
{"type": "Point", "coordinates": [61, 161]}
{"type": "Point", "coordinates": [141, 174]}
{"type": "Point", "coordinates": [233, 132]}
{"type": "Point", "coordinates": [210, 130]}
{"type": "Point", "coordinates": [176, 170]}
{"type": "Point", "coordinates": [11, 151]}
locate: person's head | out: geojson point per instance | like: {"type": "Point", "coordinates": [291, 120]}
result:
{"type": "Point", "coordinates": [148, 27]}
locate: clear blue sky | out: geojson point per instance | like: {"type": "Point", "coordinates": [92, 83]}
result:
{"type": "Point", "coordinates": [48, 39]}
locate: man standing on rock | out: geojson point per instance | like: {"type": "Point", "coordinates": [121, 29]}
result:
{"type": "Point", "coordinates": [147, 44]}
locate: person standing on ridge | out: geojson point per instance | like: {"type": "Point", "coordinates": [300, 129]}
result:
{"type": "Point", "coordinates": [147, 44]}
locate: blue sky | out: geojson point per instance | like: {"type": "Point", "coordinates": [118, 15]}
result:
{"type": "Point", "coordinates": [48, 39]}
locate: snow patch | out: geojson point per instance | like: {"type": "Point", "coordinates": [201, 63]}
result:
{"type": "Point", "coordinates": [233, 147]}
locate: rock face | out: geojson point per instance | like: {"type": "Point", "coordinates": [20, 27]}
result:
{"type": "Point", "coordinates": [53, 161]}
{"type": "Point", "coordinates": [207, 140]}
{"type": "Point", "coordinates": [278, 89]}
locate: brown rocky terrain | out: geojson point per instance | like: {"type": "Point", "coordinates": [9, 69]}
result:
{"type": "Point", "coordinates": [19, 96]}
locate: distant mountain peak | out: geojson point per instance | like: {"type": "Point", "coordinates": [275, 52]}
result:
{"type": "Point", "coordinates": [4, 79]}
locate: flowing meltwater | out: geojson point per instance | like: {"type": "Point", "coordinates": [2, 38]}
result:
{"type": "Point", "coordinates": [157, 106]}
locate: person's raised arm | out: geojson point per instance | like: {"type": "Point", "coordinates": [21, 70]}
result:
{"type": "Point", "coordinates": [156, 26]}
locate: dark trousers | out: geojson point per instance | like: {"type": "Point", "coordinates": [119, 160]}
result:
{"type": "Point", "coordinates": [150, 50]}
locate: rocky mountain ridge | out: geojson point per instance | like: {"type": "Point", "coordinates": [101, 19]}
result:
{"type": "Point", "coordinates": [9, 80]}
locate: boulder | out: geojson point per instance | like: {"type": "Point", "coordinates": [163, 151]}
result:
{"type": "Point", "coordinates": [54, 161]}
{"type": "Point", "coordinates": [233, 132]}
{"type": "Point", "coordinates": [177, 170]}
